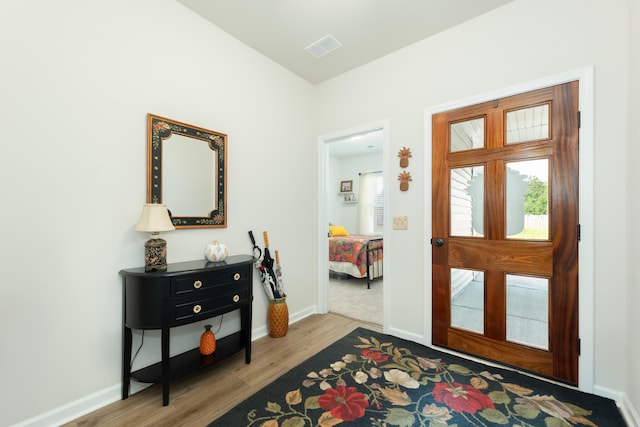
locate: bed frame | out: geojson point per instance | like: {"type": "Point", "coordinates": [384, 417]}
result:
{"type": "Point", "coordinates": [375, 270]}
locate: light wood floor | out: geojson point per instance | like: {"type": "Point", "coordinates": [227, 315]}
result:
{"type": "Point", "coordinates": [199, 399]}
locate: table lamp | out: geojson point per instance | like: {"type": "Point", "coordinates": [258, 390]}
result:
{"type": "Point", "coordinates": [154, 219]}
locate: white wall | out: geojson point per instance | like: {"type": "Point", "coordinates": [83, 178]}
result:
{"type": "Point", "coordinates": [334, 207]}
{"type": "Point", "coordinates": [523, 41]}
{"type": "Point", "coordinates": [78, 78]}
{"type": "Point", "coordinates": [348, 169]}
{"type": "Point", "coordinates": [633, 224]}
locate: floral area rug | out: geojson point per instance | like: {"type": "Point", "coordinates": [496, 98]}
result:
{"type": "Point", "coordinates": [372, 379]}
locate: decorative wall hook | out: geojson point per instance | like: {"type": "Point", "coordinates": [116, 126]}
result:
{"type": "Point", "coordinates": [404, 179]}
{"type": "Point", "coordinates": [404, 155]}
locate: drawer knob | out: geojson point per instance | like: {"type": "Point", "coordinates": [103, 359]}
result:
{"type": "Point", "coordinates": [236, 298]}
{"type": "Point", "coordinates": [236, 276]}
{"type": "Point", "coordinates": [197, 284]}
{"type": "Point", "coordinates": [197, 308]}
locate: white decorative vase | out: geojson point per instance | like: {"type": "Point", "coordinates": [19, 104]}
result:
{"type": "Point", "coordinates": [215, 252]}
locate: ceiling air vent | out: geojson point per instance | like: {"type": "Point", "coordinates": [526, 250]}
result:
{"type": "Point", "coordinates": [323, 46]}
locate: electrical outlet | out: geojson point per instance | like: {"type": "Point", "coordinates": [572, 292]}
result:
{"type": "Point", "coordinates": [400, 222]}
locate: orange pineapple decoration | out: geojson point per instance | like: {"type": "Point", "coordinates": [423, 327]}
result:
{"type": "Point", "coordinates": [404, 179]}
{"type": "Point", "coordinates": [404, 155]}
{"type": "Point", "coordinates": [207, 341]}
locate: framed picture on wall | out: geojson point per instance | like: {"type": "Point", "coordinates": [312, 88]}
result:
{"type": "Point", "coordinates": [346, 186]}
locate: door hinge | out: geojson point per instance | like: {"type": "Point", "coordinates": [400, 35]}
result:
{"type": "Point", "coordinates": [579, 345]}
{"type": "Point", "coordinates": [579, 232]}
{"type": "Point", "coordinates": [579, 119]}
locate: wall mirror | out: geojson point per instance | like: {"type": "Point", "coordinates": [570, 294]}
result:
{"type": "Point", "coordinates": [187, 171]}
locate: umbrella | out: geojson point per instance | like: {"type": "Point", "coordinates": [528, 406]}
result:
{"type": "Point", "coordinates": [257, 254]}
{"type": "Point", "coordinates": [270, 274]}
{"type": "Point", "coordinates": [278, 271]}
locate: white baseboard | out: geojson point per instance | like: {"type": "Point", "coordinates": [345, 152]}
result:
{"type": "Point", "coordinates": [301, 314]}
{"type": "Point", "coordinates": [608, 393]}
{"type": "Point", "coordinates": [99, 399]}
{"type": "Point", "coordinates": [409, 336]}
{"type": "Point", "coordinates": [75, 409]}
{"type": "Point", "coordinates": [629, 413]}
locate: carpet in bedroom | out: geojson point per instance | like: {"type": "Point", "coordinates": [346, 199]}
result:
{"type": "Point", "coordinates": [351, 298]}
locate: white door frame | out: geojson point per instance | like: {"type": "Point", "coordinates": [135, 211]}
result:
{"type": "Point", "coordinates": [586, 206]}
{"type": "Point", "coordinates": [323, 220]}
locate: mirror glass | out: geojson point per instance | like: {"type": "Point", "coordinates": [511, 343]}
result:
{"type": "Point", "coordinates": [187, 172]}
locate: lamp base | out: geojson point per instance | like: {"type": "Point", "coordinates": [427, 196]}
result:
{"type": "Point", "coordinates": [155, 255]}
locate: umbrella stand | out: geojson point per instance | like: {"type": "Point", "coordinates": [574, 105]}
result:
{"type": "Point", "coordinates": [278, 317]}
{"type": "Point", "coordinates": [271, 278]}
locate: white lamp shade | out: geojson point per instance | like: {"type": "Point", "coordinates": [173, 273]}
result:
{"type": "Point", "coordinates": [154, 218]}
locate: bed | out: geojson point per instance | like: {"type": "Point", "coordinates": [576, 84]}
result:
{"type": "Point", "coordinates": [356, 255]}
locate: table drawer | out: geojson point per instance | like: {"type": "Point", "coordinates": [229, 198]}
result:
{"type": "Point", "coordinates": [192, 310]}
{"type": "Point", "coordinates": [202, 281]}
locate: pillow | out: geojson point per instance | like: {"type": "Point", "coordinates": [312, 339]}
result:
{"type": "Point", "coordinates": [337, 230]}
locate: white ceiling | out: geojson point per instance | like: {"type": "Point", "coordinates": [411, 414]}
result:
{"type": "Point", "coordinates": [367, 29]}
{"type": "Point", "coordinates": [357, 144]}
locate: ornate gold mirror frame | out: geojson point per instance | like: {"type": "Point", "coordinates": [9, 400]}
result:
{"type": "Point", "coordinates": [187, 171]}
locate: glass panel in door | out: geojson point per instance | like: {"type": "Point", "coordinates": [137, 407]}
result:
{"type": "Point", "coordinates": [528, 310]}
{"type": "Point", "coordinates": [527, 200]}
{"type": "Point", "coordinates": [467, 299]}
{"type": "Point", "coordinates": [528, 124]}
{"type": "Point", "coordinates": [467, 201]}
{"type": "Point", "coordinates": [466, 135]}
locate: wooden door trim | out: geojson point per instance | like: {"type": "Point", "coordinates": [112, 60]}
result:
{"type": "Point", "coordinates": [534, 360]}
{"type": "Point", "coordinates": [585, 77]}
{"type": "Point", "coordinates": [531, 254]}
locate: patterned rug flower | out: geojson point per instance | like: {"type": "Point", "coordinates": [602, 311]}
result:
{"type": "Point", "coordinates": [373, 379]}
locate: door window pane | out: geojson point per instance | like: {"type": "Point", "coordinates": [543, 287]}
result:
{"type": "Point", "coordinates": [467, 300]}
{"type": "Point", "coordinates": [467, 201]}
{"type": "Point", "coordinates": [528, 310]}
{"type": "Point", "coordinates": [528, 124]}
{"type": "Point", "coordinates": [527, 204]}
{"type": "Point", "coordinates": [466, 135]}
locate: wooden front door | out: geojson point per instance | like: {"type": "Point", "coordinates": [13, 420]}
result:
{"type": "Point", "coordinates": [505, 230]}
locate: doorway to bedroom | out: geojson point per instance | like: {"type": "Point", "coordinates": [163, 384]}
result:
{"type": "Point", "coordinates": [353, 206]}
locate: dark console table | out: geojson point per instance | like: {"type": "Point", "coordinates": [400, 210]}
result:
{"type": "Point", "coordinates": [185, 293]}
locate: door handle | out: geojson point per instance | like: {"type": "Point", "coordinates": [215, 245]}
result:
{"type": "Point", "coordinates": [438, 242]}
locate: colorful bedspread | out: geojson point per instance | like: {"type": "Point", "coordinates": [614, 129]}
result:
{"type": "Point", "coordinates": [353, 249]}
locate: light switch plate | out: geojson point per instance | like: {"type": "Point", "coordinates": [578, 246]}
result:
{"type": "Point", "coordinates": [400, 222]}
